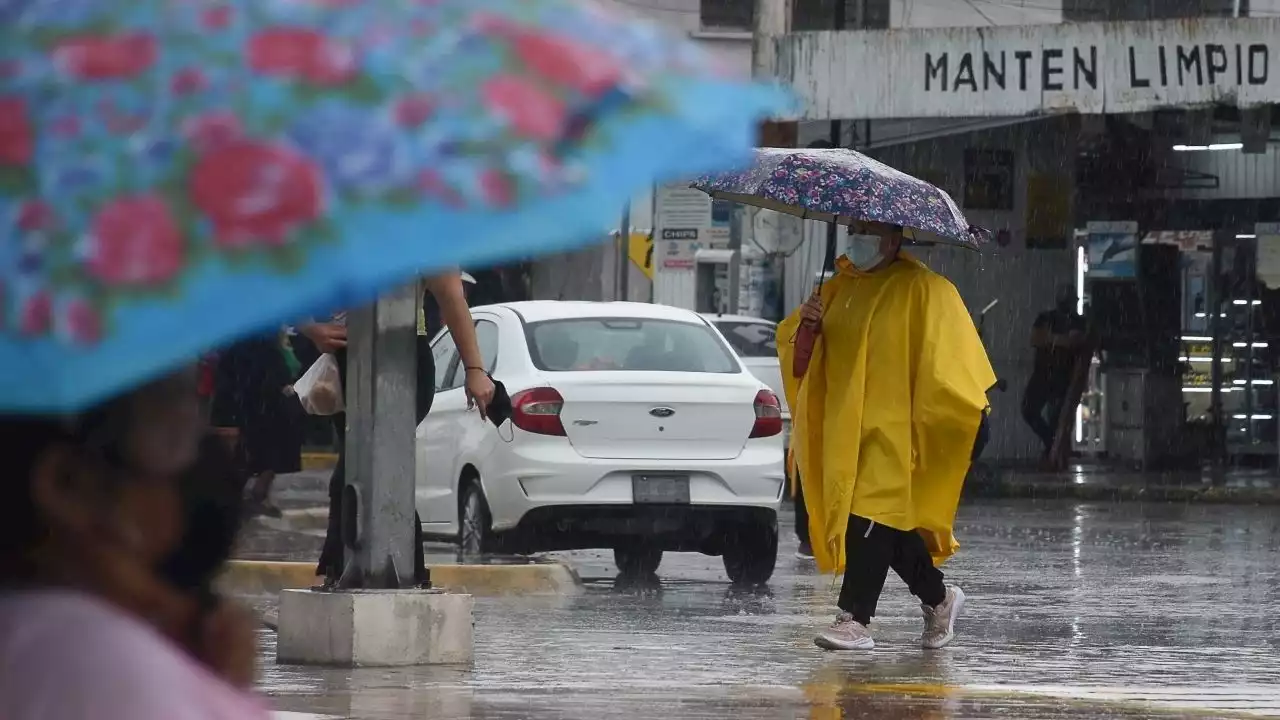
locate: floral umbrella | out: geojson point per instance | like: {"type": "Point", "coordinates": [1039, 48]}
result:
{"type": "Point", "coordinates": [839, 185]}
{"type": "Point", "coordinates": [178, 173]}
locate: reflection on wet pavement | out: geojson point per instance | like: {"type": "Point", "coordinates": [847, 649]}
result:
{"type": "Point", "coordinates": [1075, 610]}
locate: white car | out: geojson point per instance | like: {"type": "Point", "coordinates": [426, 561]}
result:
{"type": "Point", "coordinates": [635, 427]}
{"type": "Point", "coordinates": [756, 342]}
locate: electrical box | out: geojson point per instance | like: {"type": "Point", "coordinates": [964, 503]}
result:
{"type": "Point", "coordinates": [1144, 416]}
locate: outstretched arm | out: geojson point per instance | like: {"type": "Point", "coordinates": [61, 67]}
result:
{"type": "Point", "coordinates": [446, 288]}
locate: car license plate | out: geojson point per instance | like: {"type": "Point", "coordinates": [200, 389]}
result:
{"type": "Point", "coordinates": [660, 489]}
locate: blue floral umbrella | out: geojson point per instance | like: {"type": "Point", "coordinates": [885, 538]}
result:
{"type": "Point", "coordinates": [840, 186]}
{"type": "Point", "coordinates": [175, 174]}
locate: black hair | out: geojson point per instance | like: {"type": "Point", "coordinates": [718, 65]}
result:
{"type": "Point", "coordinates": [26, 440]}
{"type": "Point", "coordinates": [212, 497]}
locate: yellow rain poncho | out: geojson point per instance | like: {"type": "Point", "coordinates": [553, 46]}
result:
{"type": "Point", "coordinates": [884, 421]}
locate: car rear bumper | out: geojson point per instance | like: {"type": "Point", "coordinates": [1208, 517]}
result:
{"type": "Point", "coordinates": [676, 528]}
{"type": "Point", "coordinates": [756, 478]}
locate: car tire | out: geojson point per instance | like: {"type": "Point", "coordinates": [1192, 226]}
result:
{"type": "Point", "coordinates": [752, 555]}
{"type": "Point", "coordinates": [475, 523]}
{"type": "Point", "coordinates": [637, 561]}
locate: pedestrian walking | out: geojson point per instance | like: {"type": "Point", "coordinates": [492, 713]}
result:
{"type": "Point", "coordinates": [1057, 336]}
{"type": "Point", "coordinates": [449, 295]}
{"type": "Point", "coordinates": [805, 550]}
{"type": "Point", "coordinates": [887, 419]}
{"type": "Point", "coordinates": [255, 409]}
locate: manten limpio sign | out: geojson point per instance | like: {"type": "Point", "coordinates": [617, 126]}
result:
{"type": "Point", "coordinates": [1033, 69]}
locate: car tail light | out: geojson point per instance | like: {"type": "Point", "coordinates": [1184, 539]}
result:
{"type": "Point", "coordinates": [768, 415]}
{"type": "Point", "coordinates": [537, 411]}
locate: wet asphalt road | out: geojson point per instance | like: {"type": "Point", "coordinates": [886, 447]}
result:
{"type": "Point", "coordinates": [1075, 610]}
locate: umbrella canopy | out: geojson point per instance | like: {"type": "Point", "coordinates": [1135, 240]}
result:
{"type": "Point", "coordinates": [175, 174]}
{"type": "Point", "coordinates": [840, 186]}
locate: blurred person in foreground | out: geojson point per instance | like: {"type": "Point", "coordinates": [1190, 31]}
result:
{"type": "Point", "coordinates": [114, 525]}
{"type": "Point", "coordinates": [1057, 336]}
{"type": "Point", "coordinates": [887, 419]}
{"type": "Point", "coordinates": [449, 295]}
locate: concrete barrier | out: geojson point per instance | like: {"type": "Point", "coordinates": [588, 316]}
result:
{"type": "Point", "coordinates": [257, 577]}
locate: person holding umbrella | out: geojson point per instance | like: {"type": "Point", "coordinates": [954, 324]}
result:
{"type": "Point", "coordinates": [899, 366]}
{"type": "Point", "coordinates": [886, 377]}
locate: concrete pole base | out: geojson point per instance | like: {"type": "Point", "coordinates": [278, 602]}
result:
{"type": "Point", "coordinates": [375, 628]}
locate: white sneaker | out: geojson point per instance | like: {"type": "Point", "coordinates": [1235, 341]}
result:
{"type": "Point", "coordinates": [845, 634]}
{"type": "Point", "coordinates": [940, 622]}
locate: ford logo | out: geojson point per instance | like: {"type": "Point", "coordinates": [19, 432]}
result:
{"type": "Point", "coordinates": [662, 412]}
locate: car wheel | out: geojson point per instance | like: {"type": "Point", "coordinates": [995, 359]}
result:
{"type": "Point", "coordinates": [750, 558]}
{"type": "Point", "coordinates": [475, 534]}
{"type": "Point", "coordinates": [637, 561]}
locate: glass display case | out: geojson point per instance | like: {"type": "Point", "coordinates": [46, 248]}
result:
{"type": "Point", "coordinates": [1249, 399]}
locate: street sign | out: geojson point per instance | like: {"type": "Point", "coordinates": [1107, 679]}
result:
{"type": "Point", "coordinates": [682, 224]}
{"type": "Point", "coordinates": [640, 250]}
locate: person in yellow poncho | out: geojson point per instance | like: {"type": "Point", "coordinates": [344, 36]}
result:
{"type": "Point", "coordinates": [885, 423]}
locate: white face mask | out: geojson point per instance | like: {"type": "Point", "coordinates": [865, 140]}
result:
{"type": "Point", "coordinates": [863, 251]}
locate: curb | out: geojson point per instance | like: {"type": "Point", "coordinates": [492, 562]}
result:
{"type": "Point", "coordinates": [319, 460]}
{"type": "Point", "coordinates": [259, 577]}
{"type": "Point", "coordinates": [310, 518]}
{"type": "Point", "coordinates": [1066, 490]}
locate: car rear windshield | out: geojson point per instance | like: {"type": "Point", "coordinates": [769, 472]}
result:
{"type": "Point", "coordinates": [631, 344]}
{"type": "Point", "coordinates": [750, 339]}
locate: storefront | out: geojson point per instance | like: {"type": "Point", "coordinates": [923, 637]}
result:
{"type": "Point", "coordinates": [1164, 126]}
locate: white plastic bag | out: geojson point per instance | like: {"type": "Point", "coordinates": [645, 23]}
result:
{"type": "Point", "coordinates": [320, 388]}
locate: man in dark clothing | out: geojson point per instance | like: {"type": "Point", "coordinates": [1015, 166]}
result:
{"type": "Point", "coordinates": [1057, 336]}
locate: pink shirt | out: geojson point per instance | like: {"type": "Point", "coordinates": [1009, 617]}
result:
{"type": "Point", "coordinates": [67, 656]}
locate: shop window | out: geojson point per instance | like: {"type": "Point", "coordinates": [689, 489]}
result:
{"type": "Point", "coordinates": [1118, 10]}
{"type": "Point", "coordinates": [820, 14]}
{"type": "Point", "coordinates": [805, 14]}
{"type": "Point", "coordinates": [727, 14]}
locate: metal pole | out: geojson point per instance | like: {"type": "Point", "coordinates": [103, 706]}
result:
{"type": "Point", "coordinates": [624, 255]}
{"type": "Point", "coordinates": [1214, 309]}
{"type": "Point", "coordinates": [737, 222]}
{"type": "Point", "coordinates": [380, 393]}
{"type": "Point", "coordinates": [1235, 9]}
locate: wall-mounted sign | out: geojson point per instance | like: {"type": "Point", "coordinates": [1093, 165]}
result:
{"type": "Point", "coordinates": [640, 250]}
{"type": "Point", "coordinates": [1048, 211]}
{"type": "Point", "coordinates": [1030, 69]}
{"type": "Point", "coordinates": [1113, 250]}
{"type": "Point", "coordinates": [682, 224]}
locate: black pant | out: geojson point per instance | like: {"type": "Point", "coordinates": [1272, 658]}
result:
{"type": "Point", "coordinates": [1040, 398]}
{"type": "Point", "coordinates": [331, 554]}
{"type": "Point", "coordinates": [870, 550]}
{"type": "Point", "coordinates": [331, 561]}
{"type": "Point", "coordinates": [802, 514]}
